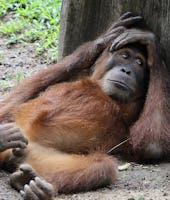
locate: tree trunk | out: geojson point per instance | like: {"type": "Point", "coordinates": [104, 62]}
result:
{"type": "Point", "coordinates": [83, 20]}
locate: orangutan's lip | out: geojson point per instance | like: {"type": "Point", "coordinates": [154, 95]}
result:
{"type": "Point", "coordinates": [120, 85]}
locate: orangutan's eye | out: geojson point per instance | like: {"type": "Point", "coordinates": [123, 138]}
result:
{"type": "Point", "coordinates": [139, 62]}
{"type": "Point", "coordinates": [125, 55]}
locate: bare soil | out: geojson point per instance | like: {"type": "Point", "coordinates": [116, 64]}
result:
{"type": "Point", "coordinates": [137, 182]}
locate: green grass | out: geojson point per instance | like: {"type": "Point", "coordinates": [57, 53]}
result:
{"type": "Point", "coordinates": [35, 21]}
{"type": "Point", "coordinates": [4, 84]}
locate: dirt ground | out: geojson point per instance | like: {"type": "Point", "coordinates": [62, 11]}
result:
{"type": "Point", "coordinates": [137, 182]}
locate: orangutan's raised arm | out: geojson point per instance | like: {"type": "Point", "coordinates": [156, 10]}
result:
{"type": "Point", "coordinates": [83, 57]}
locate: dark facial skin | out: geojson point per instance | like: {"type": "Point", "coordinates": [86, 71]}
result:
{"type": "Point", "coordinates": [125, 78]}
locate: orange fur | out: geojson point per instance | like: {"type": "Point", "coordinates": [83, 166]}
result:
{"type": "Point", "coordinates": [72, 172]}
{"type": "Point", "coordinates": [71, 126]}
{"type": "Point", "coordinates": [70, 66]}
{"type": "Point", "coordinates": [150, 135]}
{"type": "Point", "coordinates": [85, 111]}
{"type": "Point", "coordinates": [66, 125]}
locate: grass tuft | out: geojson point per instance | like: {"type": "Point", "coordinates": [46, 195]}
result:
{"type": "Point", "coordinates": [32, 21]}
